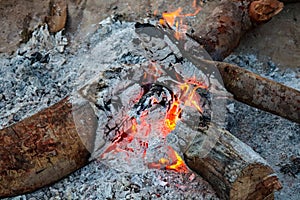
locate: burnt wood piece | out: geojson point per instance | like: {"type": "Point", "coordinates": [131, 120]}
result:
{"type": "Point", "coordinates": [58, 15]}
{"type": "Point", "coordinates": [233, 169]}
{"type": "Point", "coordinates": [45, 147]}
{"type": "Point", "coordinates": [260, 92]}
{"type": "Point", "coordinates": [222, 30]}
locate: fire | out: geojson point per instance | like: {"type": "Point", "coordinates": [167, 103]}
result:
{"type": "Point", "coordinates": [179, 166]}
{"type": "Point", "coordinates": [138, 129]}
{"type": "Point", "coordinates": [169, 18]}
{"type": "Point", "coordinates": [188, 98]}
{"type": "Point", "coordinates": [172, 116]}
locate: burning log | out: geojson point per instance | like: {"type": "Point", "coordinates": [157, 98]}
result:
{"type": "Point", "coordinates": [222, 30]}
{"type": "Point", "coordinates": [233, 169]}
{"type": "Point", "coordinates": [45, 147]}
{"type": "Point", "coordinates": [261, 92]}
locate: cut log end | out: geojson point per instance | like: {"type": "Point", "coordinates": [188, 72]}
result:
{"type": "Point", "coordinates": [264, 10]}
{"type": "Point", "coordinates": [255, 182]}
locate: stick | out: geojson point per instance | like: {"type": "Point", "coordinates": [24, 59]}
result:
{"type": "Point", "coordinates": [261, 92]}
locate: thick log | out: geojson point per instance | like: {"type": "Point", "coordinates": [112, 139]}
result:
{"type": "Point", "coordinates": [222, 30]}
{"type": "Point", "coordinates": [261, 92]}
{"type": "Point", "coordinates": [45, 147]}
{"type": "Point", "coordinates": [233, 169]}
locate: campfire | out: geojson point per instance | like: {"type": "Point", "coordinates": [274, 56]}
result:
{"type": "Point", "coordinates": [152, 99]}
{"type": "Point", "coordinates": [146, 102]}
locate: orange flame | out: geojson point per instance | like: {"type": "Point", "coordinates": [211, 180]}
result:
{"type": "Point", "coordinates": [141, 128]}
{"type": "Point", "coordinates": [170, 19]}
{"type": "Point", "coordinates": [172, 116]}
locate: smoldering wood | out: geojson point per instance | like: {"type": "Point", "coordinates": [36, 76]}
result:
{"type": "Point", "coordinates": [233, 169]}
{"type": "Point", "coordinates": [45, 147]}
{"type": "Point", "coordinates": [260, 92]}
{"type": "Point", "coordinates": [222, 30]}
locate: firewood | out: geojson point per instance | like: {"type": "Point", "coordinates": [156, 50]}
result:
{"type": "Point", "coordinates": [260, 92]}
{"type": "Point", "coordinates": [58, 15]}
{"type": "Point", "coordinates": [233, 169]}
{"type": "Point", "coordinates": [222, 30]}
{"type": "Point", "coordinates": [45, 147]}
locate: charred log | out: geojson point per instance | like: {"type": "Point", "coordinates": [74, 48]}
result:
{"type": "Point", "coordinates": [221, 31]}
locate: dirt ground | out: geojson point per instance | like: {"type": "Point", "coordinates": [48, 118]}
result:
{"type": "Point", "coordinates": [277, 41]}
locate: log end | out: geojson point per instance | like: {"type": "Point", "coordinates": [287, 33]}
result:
{"type": "Point", "coordinates": [256, 181]}
{"type": "Point", "coordinates": [264, 10]}
{"type": "Point", "coordinates": [58, 15]}
{"type": "Point", "coordinates": [232, 168]}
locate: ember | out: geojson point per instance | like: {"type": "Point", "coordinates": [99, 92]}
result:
{"type": "Point", "coordinates": [153, 106]}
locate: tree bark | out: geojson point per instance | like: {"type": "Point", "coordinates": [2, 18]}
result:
{"type": "Point", "coordinates": [45, 147]}
{"type": "Point", "coordinates": [221, 31]}
{"type": "Point", "coordinates": [233, 169]}
{"type": "Point", "coordinates": [260, 92]}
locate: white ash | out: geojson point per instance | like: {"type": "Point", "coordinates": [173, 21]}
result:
{"type": "Point", "coordinates": [97, 181]}
{"type": "Point", "coordinates": [34, 77]}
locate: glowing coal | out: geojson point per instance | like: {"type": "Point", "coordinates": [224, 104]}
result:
{"type": "Point", "coordinates": [150, 111]}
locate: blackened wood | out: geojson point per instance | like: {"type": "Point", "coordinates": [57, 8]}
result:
{"type": "Point", "coordinates": [233, 169]}
{"type": "Point", "coordinates": [45, 147]}
{"type": "Point", "coordinates": [222, 30]}
{"type": "Point", "coordinates": [261, 92]}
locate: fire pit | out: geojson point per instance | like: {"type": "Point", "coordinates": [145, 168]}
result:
{"type": "Point", "coordinates": [154, 101]}
{"type": "Point", "coordinates": [151, 103]}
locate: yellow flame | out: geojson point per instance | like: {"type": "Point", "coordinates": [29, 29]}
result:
{"type": "Point", "coordinates": [179, 166]}
{"type": "Point", "coordinates": [170, 19]}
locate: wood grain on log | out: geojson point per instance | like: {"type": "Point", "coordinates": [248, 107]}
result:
{"type": "Point", "coordinates": [233, 169]}
{"type": "Point", "coordinates": [261, 92]}
{"type": "Point", "coordinates": [44, 148]}
{"type": "Point", "coordinates": [221, 31]}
